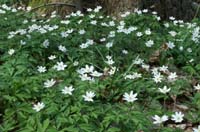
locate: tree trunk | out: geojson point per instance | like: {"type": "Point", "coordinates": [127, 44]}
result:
{"type": "Point", "coordinates": [180, 9]}
{"type": "Point", "coordinates": [59, 8]}
{"type": "Point", "coordinates": [115, 7]}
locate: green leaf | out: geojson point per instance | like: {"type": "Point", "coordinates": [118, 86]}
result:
{"type": "Point", "coordinates": [45, 125]}
{"type": "Point", "coordinates": [113, 129]}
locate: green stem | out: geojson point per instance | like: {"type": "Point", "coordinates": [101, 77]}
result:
{"type": "Point", "coordinates": [196, 12]}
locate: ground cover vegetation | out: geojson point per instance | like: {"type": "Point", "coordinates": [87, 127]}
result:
{"type": "Point", "coordinates": [95, 73]}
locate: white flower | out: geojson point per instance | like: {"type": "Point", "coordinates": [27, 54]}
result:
{"type": "Point", "coordinates": [94, 22]}
{"type": "Point", "coordinates": [100, 17]}
{"type": "Point", "coordinates": [37, 107]}
{"type": "Point", "coordinates": [49, 83]}
{"type": "Point", "coordinates": [97, 9]}
{"type": "Point", "coordinates": [28, 8]}
{"type": "Point", "coordinates": [4, 6]}
{"type": "Point", "coordinates": [196, 129]}
{"type": "Point", "coordinates": [145, 10]}
{"type": "Point", "coordinates": [52, 57]}
{"type": "Point", "coordinates": [125, 14]}
{"type": "Point", "coordinates": [68, 90]}
{"type": "Point", "coordinates": [112, 70]}
{"type": "Point", "coordinates": [197, 87]}
{"type": "Point", "coordinates": [41, 69]}
{"type": "Point", "coordinates": [109, 44]}
{"type": "Point", "coordinates": [75, 63]}
{"type": "Point", "coordinates": [158, 77]}
{"type": "Point", "coordinates": [164, 90]}
{"type": "Point", "coordinates": [112, 23]}
{"type": "Point", "coordinates": [171, 18]}
{"type": "Point", "coordinates": [87, 44]}
{"type": "Point", "coordinates": [88, 69]}
{"type": "Point", "coordinates": [139, 12]}
{"type": "Point", "coordinates": [166, 25]}
{"type": "Point", "coordinates": [172, 76]}
{"type": "Point", "coordinates": [163, 68]}
{"type": "Point", "coordinates": [125, 52]}
{"type": "Point", "coordinates": [159, 120]}
{"type": "Point", "coordinates": [139, 34]}
{"type": "Point", "coordinates": [81, 32]}
{"type": "Point", "coordinates": [103, 39]}
{"type": "Point", "coordinates": [149, 43]}
{"type": "Point", "coordinates": [22, 42]}
{"type": "Point", "coordinates": [154, 70]}
{"type": "Point", "coordinates": [65, 22]}
{"type": "Point", "coordinates": [60, 66]}
{"type": "Point", "coordinates": [181, 48]}
{"type": "Point", "coordinates": [111, 34]}
{"type": "Point", "coordinates": [138, 61]}
{"type": "Point", "coordinates": [11, 51]}
{"type": "Point", "coordinates": [14, 10]}
{"type": "Point", "coordinates": [178, 117]}
{"type": "Point", "coordinates": [109, 60]}
{"type": "Point", "coordinates": [158, 18]}
{"type": "Point", "coordinates": [85, 77]}
{"type": "Point", "coordinates": [80, 21]}
{"type": "Point", "coordinates": [92, 16]}
{"type": "Point", "coordinates": [130, 97]}
{"type": "Point", "coordinates": [172, 33]}
{"type": "Point", "coordinates": [154, 13]}
{"type": "Point", "coordinates": [2, 11]}
{"type": "Point", "coordinates": [89, 96]}
{"type": "Point", "coordinates": [46, 43]}
{"type": "Point", "coordinates": [96, 74]}
{"type": "Point", "coordinates": [191, 60]}
{"type": "Point", "coordinates": [146, 67]}
{"type": "Point", "coordinates": [87, 72]}
{"type": "Point", "coordinates": [189, 50]}
{"type": "Point", "coordinates": [195, 35]}
{"type": "Point", "coordinates": [148, 32]}
{"type": "Point", "coordinates": [90, 41]}
{"type": "Point", "coordinates": [89, 9]}
{"type": "Point", "coordinates": [133, 76]}
{"type": "Point", "coordinates": [170, 45]}
{"type": "Point", "coordinates": [84, 45]}
{"type": "Point", "coordinates": [62, 48]}
{"type": "Point", "coordinates": [64, 34]}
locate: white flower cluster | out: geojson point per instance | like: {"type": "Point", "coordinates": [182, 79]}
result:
{"type": "Point", "coordinates": [109, 60]}
{"type": "Point", "coordinates": [65, 34]}
{"type": "Point", "coordinates": [158, 77]}
{"type": "Point", "coordinates": [196, 35]}
{"type": "Point", "coordinates": [6, 8]}
{"type": "Point", "coordinates": [177, 118]}
{"type": "Point", "coordinates": [88, 73]}
{"type": "Point", "coordinates": [122, 29]}
{"type": "Point", "coordinates": [87, 44]}
{"type": "Point", "coordinates": [33, 28]}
